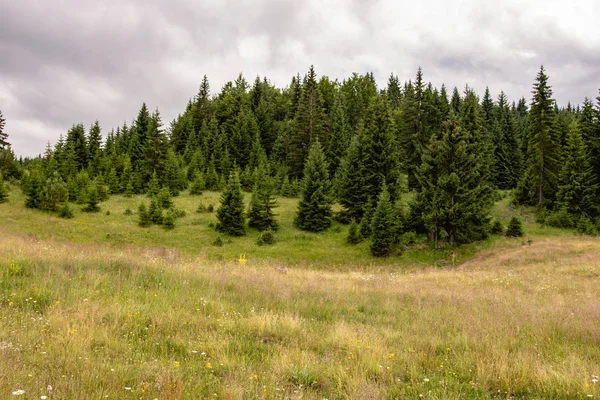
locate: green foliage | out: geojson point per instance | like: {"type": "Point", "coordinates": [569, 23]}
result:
{"type": "Point", "coordinates": [155, 211]}
{"type": "Point", "coordinates": [198, 184]}
{"type": "Point", "coordinates": [164, 198]}
{"type": "Point", "coordinates": [230, 215]}
{"type": "Point", "coordinates": [3, 190]}
{"type": "Point", "coordinates": [383, 226]}
{"type": "Point", "coordinates": [92, 199]}
{"type": "Point", "coordinates": [144, 219]}
{"type": "Point", "coordinates": [314, 209]}
{"type": "Point", "coordinates": [153, 186]}
{"type": "Point", "coordinates": [266, 238]}
{"type": "Point", "coordinates": [350, 180]}
{"type": "Point", "coordinates": [32, 185]}
{"type": "Point", "coordinates": [53, 194]}
{"type": "Point", "coordinates": [3, 135]}
{"type": "Point", "coordinates": [365, 222]}
{"type": "Point", "coordinates": [354, 236]}
{"type": "Point", "coordinates": [560, 218]}
{"type": "Point", "coordinates": [169, 219]}
{"type": "Point", "coordinates": [515, 227]}
{"type": "Point", "coordinates": [218, 242]}
{"type": "Point", "coordinates": [66, 211]}
{"type": "Point", "coordinates": [497, 227]}
{"type": "Point", "coordinates": [260, 215]}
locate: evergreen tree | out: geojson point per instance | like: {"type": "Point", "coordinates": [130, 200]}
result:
{"type": "Point", "coordinates": [350, 180]}
{"type": "Point", "coordinates": [383, 226]}
{"type": "Point", "coordinates": [92, 199]}
{"type": "Point", "coordinates": [365, 222]}
{"type": "Point", "coordinates": [53, 193]}
{"type": "Point", "coordinates": [455, 197]}
{"type": "Point", "coordinates": [309, 124]}
{"type": "Point", "coordinates": [577, 184]}
{"type": "Point", "coordinates": [354, 236]}
{"type": "Point", "coordinates": [3, 135]}
{"type": "Point", "coordinates": [169, 219]}
{"type": "Point", "coordinates": [155, 211]}
{"type": "Point", "coordinates": [340, 138]}
{"type": "Point", "coordinates": [164, 198]}
{"type": "Point", "coordinates": [3, 190]}
{"type": "Point", "coordinates": [173, 178]}
{"type": "Point", "coordinates": [198, 184]}
{"type": "Point", "coordinates": [515, 227]}
{"type": "Point", "coordinates": [540, 183]}
{"type": "Point", "coordinates": [76, 141]}
{"type": "Point", "coordinates": [260, 215]}
{"type": "Point", "coordinates": [144, 219]}
{"type": "Point", "coordinates": [33, 189]}
{"type": "Point", "coordinates": [154, 149]}
{"type": "Point", "coordinates": [153, 186]}
{"type": "Point", "coordinates": [508, 159]}
{"type": "Point", "coordinates": [244, 133]}
{"type": "Point", "coordinates": [314, 209]}
{"type": "Point", "coordinates": [456, 101]}
{"type": "Point", "coordinates": [94, 144]}
{"type": "Point", "coordinates": [113, 182]}
{"type": "Point", "coordinates": [230, 215]}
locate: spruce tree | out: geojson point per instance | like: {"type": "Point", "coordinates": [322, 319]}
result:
{"type": "Point", "coordinates": [230, 214]}
{"type": "Point", "coordinates": [365, 222]}
{"type": "Point", "coordinates": [3, 135]}
{"type": "Point", "coordinates": [94, 144]}
{"type": "Point", "coordinates": [77, 142]}
{"type": "Point", "coordinates": [383, 226]}
{"type": "Point", "coordinates": [455, 196]}
{"type": "Point", "coordinates": [164, 198]}
{"type": "Point", "coordinates": [260, 215]}
{"type": "Point", "coordinates": [92, 199]}
{"type": "Point", "coordinates": [309, 124]}
{"type": "Point", "coordinates": [53, 193]}
{"type": "Point", "coordinates": [314, 209]}
{"type": "Point", "coordinates": [169, 219]}
{"type": "Point", "coordinates": [340, 136]}
{"type": "Point", "coordinates": [155, 211]}
{"type": "Point", "coordinates": [144, 219]}
{"type": "Point", "coordinates": [3, 190]}
{"type": "Point", "coordinates": [354, 236]}
{"type": "Point", "coordinates": [577, 183]}
{"type": "Point", "coordinates": [198, 184]}
{"type": "Point", "coordinates": [350, 180]}
{"type": "Point", "coordinates": [153, 186]}
{"type": "Point", "coordinates": [540, 183]}
{"type": "Point", "coordinates": [33, 189]}
{"type": "Point", "coordinates": [515, 227]}
{"type": "Point", "coordinates": [113, 181]}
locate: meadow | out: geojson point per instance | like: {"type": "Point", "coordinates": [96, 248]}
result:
{"type": "Point", "coordinates": [97, 307]}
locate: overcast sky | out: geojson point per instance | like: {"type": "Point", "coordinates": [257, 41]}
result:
{"type": "Point", "coordinates": [70, 61]}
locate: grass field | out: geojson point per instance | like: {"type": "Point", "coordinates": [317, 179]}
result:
{"type": "Point", "coordinates": [97, 307]}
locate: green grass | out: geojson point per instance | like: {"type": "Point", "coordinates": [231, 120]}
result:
{"type": "Point", "coordinates": [98, 307]}
{"type": "Point", "coordinates": [193, 236]}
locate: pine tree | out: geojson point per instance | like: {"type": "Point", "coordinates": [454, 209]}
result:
{"type": "Point", "coordinates": [455, 197]}
{"type": "Point", "coordinates": [154, 149]}
{"type": "Point", "coordinates": [577, 184]}
{"type": "Point", "coordinates": [309, 124]}
{"type": "Point", "coordinates": [173, 178]}
{"type": "Point", "coordinates": [164, 198]}
{"type": "Point", "coordinates": [260, 215]}
{"type": "Point", "coordinates": [155, 211]}
{"type": "Point", "coordinates": [3, 135]}
{"type": "Point", "coordinates": [94, 148]}
{"type": "Point", "coordinates": [380, 161]}
{"type": "Point", "coordinates": [350, 180]}
{"type": "Point", "coordinates": [539, 185]}
{"type": "Point", "coordinates": [340, 138]}
{"type": "Point", "coordinates": [33, 189]}
{"type": "Point", "coordinates": [144, 219]}
{"type": "Point", "coordinates": [508, 159]}
{"type": "Point", "coordinates": [383, 226]}
{"type": "Point", "coordinates": [515, 227]}
{"type": "Point", "coordinates": [153, 186]}
{"type": "Point", "coordinates": [245, 132]}
{"type": "Point", "coordinates": [53, 193]}
{"type": "Point", "coordinates": [92, 199]}
{"type": "Point", "coordinates": [169, 219]}
{"type": "Point", "coordinates": [414, 137]}
{"type": "Point", "coordinates": [314, 209]}
{"type": "Point", "coordinates": [198, 184]}
{"type": "Point", "coordinates": [230, 215]}
{"type": "Point", "coordinates": [354, 236]}
{"type": "Point", "coordinates": [3, 190]}
{"type": "Point", "coordinates": [367, 218]}
{"type": "Point", "coordinates": [77, 142]}
{"type": "Point", "coordinates": [113, 181]}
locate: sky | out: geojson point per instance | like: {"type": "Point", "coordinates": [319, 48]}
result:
{"type": "Point", "coordinates": [77, 61]}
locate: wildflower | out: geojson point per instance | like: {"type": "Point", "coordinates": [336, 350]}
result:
{"type": "Point", "coordinates": [208, 366]}
{"type": "Point", "coordinates": [127, 388]}
{"type": "Point", "coordinates": [18, 392]}
{"type": "Point", "coordinates": [242, 259]}
{"type": "Point", "coordinates": [43, 397]}
{"type": "Point", "coordinates": [594, 380]}
{"type": "Point", "coordinates": [391, 356]}
{"type": "Point", "coordinates": [425, 379]}
{"type": "Point", "coordinates": [50, 389]}
{"type": "Point", "coordinates": [176, 364]}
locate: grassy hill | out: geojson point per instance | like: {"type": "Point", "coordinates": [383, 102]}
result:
{"type": "Point", "coordinates": [97, 307]}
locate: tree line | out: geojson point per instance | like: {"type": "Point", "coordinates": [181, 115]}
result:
{"type": "Point", "coordinates": [348, 142]}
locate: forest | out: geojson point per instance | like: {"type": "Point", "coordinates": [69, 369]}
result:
{"type": "Point", "coordinates": [349, 150]}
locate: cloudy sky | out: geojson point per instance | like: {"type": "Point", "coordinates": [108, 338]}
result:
{"type": "Point", "coordinates": [68, 61]}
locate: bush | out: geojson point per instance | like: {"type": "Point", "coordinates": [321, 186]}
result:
{"type": "Point", "coordinates": [354, 236]}
{"type": "Point", "coordinates": [560, 219]}
{"type": "Point", "coordinates": [266, 238]}
{"type": "Point", "coordinates": [201, 209]}
{"type": "Point", "coordinates": [218, 242]}
{"type": "Point", "coordinates": [144, 216]}
{"type": "Point", "coordinates": [128, 211]}
{"type": "Point", "coordinates": [515, 227]}
{"type": "Point", "coordinates": [210, 208]}
{"type": "Point", "coordinates": [169, 219]}
{"type": "Point", "coordinates": [179, 213]}
{"type": "Point", "coordinates": [92, 200]}
{"type": "Point", "coordinates": [497, 228]}
{"type": "Point", "coordinates": [66, 212]}
{"type": "Point", "coordinates": [164, 198]}
{"type": "Point", "coordinates": [53, 194]}
{"type": "Point", "coordinates": [586, 226]}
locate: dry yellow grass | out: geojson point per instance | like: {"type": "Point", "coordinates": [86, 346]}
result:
{"type": "Point", "coordinates": [95, 321]}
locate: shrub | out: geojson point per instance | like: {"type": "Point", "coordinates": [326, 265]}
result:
{"type": "Point", "coordinates": [561, 219]}
{"type": "Point", "coordinates": [164, 198]}
{"type": "Point", "coordinates": [210, 208]}
{"type": "Point", "coordinates": [497, 228]}
{"type": "Point", "coordinates": [92, 199]}
{"type": "Point", "coordinates": [586, 226]}
{"type": "Point", "coordinates": [128, 211]}
{"type": "Point", "coordinates": [266, 238]}
{"type": "Point", "coordinates": [515, 227]}
{"type": "Point", "coordinates": [66, 212]}
{"type": "Point", "coordinates": [169, 219]}
{"type": "Point", "coordinates": [201, 209]}
{"type": "Point", "coordinates": [144, 216]}
{"type": "Point", "coordinates": [354, 236]}
{"type": "Point", "coordinates": [218, 242]}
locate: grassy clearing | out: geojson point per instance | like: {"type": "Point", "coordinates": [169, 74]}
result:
{"type": "Point", "coordinates": [97, 307]}
{"type": "Point", "coordinates": [194, 237]}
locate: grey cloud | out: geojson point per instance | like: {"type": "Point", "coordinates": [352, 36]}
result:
{"type": "Point", "coordinates": [70, 61]}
